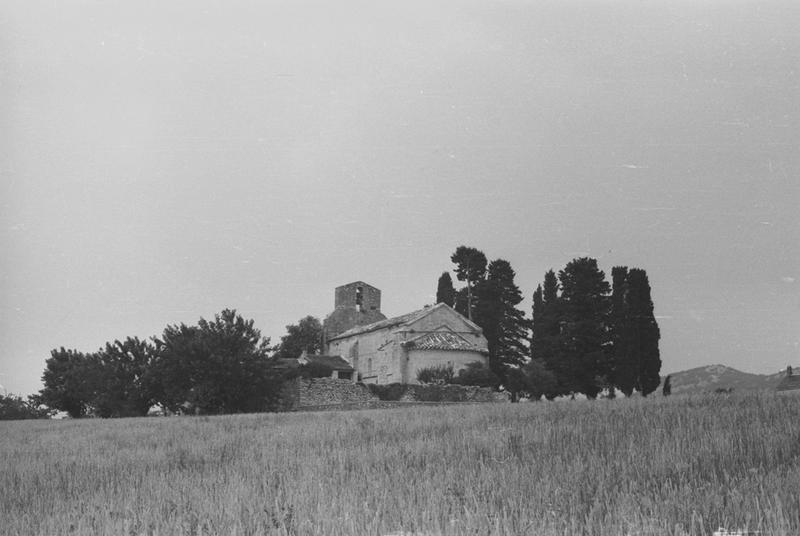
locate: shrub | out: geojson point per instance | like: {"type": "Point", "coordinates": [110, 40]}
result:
{"type": "Point", "coordinates": [388, 392]}
{"type": "Point", "coordinates": [441, 374]}
{"type": "Point", "coordinates": [541, 381]}
{"type": "Point", "coordinates": [477, 373]}
{"type": "Point", "coordinates": [14, 407]}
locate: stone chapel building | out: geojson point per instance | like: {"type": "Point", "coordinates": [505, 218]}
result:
{"type": "Point", "coordinates": [392, 350]}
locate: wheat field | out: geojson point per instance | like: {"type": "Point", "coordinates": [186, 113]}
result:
{"type": "Point", "coordinates": [675, 466]}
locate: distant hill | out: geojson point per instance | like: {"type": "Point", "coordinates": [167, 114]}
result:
{"type": "Point", "coordinates": [713, 377]}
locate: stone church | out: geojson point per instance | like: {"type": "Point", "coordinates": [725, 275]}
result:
{"type": "Point", "coordinates": [392, 350]}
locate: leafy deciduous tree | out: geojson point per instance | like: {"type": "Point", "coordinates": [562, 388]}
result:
{"type": "Point", "coordinates": [218, 366]}
{"type": "Point", "coordinates": [13, 407]}
{"type": "Point", "coordinates": [68, 382]}
{"type": "Point", "coordinates": [122, 386]}
{"type": "Point", "coordinates": [306, 336]}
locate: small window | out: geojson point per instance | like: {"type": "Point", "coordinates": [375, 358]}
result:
{"type": "Point", "coordinates": [369, 365]}
{"type": "Point", "coordinates": [359, 296]}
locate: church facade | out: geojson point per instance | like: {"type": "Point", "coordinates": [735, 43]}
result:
{"type": "Point", "coordinates": [391, 350]}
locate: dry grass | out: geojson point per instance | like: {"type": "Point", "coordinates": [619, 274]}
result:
{"type": "Point", "coordinates": [677, 466]}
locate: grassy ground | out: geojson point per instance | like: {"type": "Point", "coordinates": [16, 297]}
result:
{"type": "Point", "coordinates": [663, 466]}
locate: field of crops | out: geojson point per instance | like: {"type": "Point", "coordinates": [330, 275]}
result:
{"type": "Point", "coordinates": [663, 466]}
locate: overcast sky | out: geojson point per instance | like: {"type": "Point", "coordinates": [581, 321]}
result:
{"type": "Point", "coordinates": [161, 161]}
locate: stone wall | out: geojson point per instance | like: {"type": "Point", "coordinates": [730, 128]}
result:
{"type": "Point", "coordinates": [437, 393]}
{"type": "Point", "coordinates": [331, 391]}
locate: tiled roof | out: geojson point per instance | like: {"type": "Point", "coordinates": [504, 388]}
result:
{"type": "Point", "coordinates": [335, 362]}
{"type": "Point", "coordinates": [442, 340]}
{"type": "Point", "coordinates": [407, 318]}
{"type": "Point", "coordinates": [789, 383]}
{"type": "Point", "coordinates": [382, 324]}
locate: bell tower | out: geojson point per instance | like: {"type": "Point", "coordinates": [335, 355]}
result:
{"type": "Point", "coordinates": [355, 304]}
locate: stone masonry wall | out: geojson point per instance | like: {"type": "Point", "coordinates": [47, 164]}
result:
{"type": "Point", "coordinates": [330, 391]}
{"type": "Point", "coordinates": [451, 393]}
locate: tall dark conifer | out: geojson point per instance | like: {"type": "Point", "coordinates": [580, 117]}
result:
{"type": "Point", "coordinates": [445, 292]}
{"type": "Point", "coordinates": [537, 310]}
{"type": "Point", "coordinates": [644, 331]}
{"type": "Point", "coordinates": [626, 366]}
{"type": "Point", "coordinates": [505, 326]}
{"type": "Point", "coordinates": [585, 307]}
{"type": "Point", "coordinates": [546, 333]}
{"type": "Point", "coordinates": [470, 267]}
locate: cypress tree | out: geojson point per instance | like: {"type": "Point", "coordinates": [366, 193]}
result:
{"type": "Point", "coordinates": [445, 292]}
{"type": "Point", "coordinates": [644, 332]}
{"type": "Point", "coordinates": [537, 335]}
{"type": "Point", "coordinates": [585, 303]}
{"type": "Point", "coordinates": [547, 334]}
{"type": "Point", "coordinates": [625, 361]}
{"type": "Point", "coordinates": [505, 326]}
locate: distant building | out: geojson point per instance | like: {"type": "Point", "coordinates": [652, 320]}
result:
{"type": "Point", "coordinates": [340, 369]}
{"type": "Point", "coordinates": [392, 350]}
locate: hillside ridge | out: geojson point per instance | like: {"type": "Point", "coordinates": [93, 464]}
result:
{"type": "Point", "coordinates": [710, 378]}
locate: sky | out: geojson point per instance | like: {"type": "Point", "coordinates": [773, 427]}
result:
{"type": "Point", "coordinates": [163, 161]}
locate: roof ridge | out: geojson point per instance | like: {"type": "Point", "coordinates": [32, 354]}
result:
{"type": "Point", "coordinates": [413, 316]}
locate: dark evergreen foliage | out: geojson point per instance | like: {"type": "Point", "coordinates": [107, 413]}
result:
{"type": "Point", "coordinates": [516, 383]}
{"type": "Point", "coordinates": [667, 389]}
{"type": "Point", "coordinates": [546, 342]}
{"type": "Point", "coordinates": [634, 333]}
{"type": "Point", "coordinates": [470, 267]}
{"type": "Point", "coordinates": [644, 333]}
{"type": "Point", "coordinates": [477, 374]}
{"type": "Point", "coordinates": [462, 302]}
{"type": "Point", "coordinates": [504, 326]}
{"type": "Point", "coordinates": [537, 333]}
{"type": "Point", "coordinates": [541, 381]}
{"type": "Point", "coordinates": [584, 314]}
{"type": "Point", "coordinates": [445, 292]}
{"type": "Point", "coordinates": [626, 367]}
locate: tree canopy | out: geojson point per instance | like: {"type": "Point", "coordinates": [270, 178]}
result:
{"type": "Point", "coordinates": [471, 268]}
{"type": "Point", "coordinates": [217, 366]}
{"type": "Point", "coordinates": [305, 336]}
{"type": "Point", "coordinates": [445, 292]}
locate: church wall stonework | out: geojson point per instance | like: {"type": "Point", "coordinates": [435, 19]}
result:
{"type": "Point", "coordinates": [374, 358]}
{"type": "Point", "coordinates": [420, 359]}
{"type": "Point", "coordinates": [380, 355]}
